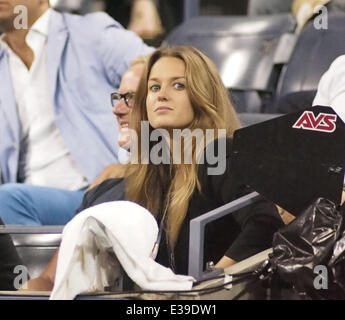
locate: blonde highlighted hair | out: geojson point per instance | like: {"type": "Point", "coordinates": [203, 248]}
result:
{"type": "Point", "coordinates": [169, 188]}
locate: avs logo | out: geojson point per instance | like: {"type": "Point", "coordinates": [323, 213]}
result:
{"type": "Point", "coordinates": [324, 122]}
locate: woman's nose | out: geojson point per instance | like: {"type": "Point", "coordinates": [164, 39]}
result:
{"type": "Point", "coordinates": [163, 94]}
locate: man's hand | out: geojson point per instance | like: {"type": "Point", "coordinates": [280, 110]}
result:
{"type": "Point", "coordinates": [45, 282]}
{"type": "Point", "coordinates": [109, 172]}
{"type": "Point", "coordinates": [224, 263]}
{"type": "Point", "coordinates": [286, 216]}
{"type": "Point", "coordinates": [145, 19]}
{"type": "Point", "coordinates": [38, 284]}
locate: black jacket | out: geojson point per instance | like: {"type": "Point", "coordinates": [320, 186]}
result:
{"type": "Point", "coordinates": [239, 235]}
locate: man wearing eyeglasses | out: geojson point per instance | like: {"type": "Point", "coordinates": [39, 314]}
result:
{"type": "Point", "coordinates": [122, 102]}
{"type": "Point", "coordinates": [57, 132]}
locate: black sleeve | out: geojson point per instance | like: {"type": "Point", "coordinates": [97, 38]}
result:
{"type": "Point", "coordinates": [223, 187]}
{"type": "Point", "coordinates": [257, 223]}
{"type": "Point", "coordinates": [108, 190]}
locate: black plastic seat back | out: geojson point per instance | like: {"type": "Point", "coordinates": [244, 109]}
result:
{"type": "Point", "coordinates": [249, 119]}
{"type": "Point", "coordinates": [298, 160]}
{"type": "Point", "coordinates": [314, 52]}
{"type": "Point", "coordinates": [243, 49]}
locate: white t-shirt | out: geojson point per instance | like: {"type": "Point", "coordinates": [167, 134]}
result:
{"type": "Point", "coordinates": [47, 161]}
{"type": "Point", "coordinates": [331, 88]}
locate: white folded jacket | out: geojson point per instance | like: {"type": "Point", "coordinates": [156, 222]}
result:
{"type": "Point", "coordinates": [100, 239]}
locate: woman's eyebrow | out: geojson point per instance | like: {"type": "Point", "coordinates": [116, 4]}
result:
{"type": "Point", "coordinates": [172, 78]}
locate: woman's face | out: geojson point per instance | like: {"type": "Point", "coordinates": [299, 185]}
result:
{"type": "Point", "coordinates": [167, 102]}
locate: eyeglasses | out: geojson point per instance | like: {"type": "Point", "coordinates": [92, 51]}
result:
{"type": "Point", "coordinates": [128, 97]}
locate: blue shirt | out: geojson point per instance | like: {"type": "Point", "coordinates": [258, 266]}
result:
{"type": "Point", "coordinates": [86, 57]}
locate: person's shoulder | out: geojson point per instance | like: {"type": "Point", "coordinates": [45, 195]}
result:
{"type": "Point", "coordinates": [91, 22]}
{"type": "Point", "coordinates": [338, 63]}
{"type": "Point", "coordinates": [220, 144]}
{"type": "Point", "coordinates": [101, 19]}
{"type": "Point", "coordinates": [108, 184]}
{"type": "Point", "coordinates": [91, 29]}
{"type": "Point", "coordinates": [108, 190]}
{"type": "Point", "coordinates": [331, 81]}
{"type": "Point", "coordinates": [216, 157]}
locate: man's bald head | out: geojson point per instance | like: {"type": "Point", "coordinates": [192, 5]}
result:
{"type": "Point", "coordinates": [129, 83]}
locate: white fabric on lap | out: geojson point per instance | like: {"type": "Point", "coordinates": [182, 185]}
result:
{"type": "Point", "coordinates": [99, 239]}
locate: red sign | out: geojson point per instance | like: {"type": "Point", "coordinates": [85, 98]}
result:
{"type": "Point", "coordinates": [324, 122]}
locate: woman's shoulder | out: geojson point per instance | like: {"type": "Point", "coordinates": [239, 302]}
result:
{"type": "Point", "coordinates": [220, 141]}
{"type": "Point", "coordinates": [217, 154]}
{"type": "Point", "coordinates": [106, 185]}
{"type": "Point", "coordinates": [219, 146]}
{"type": "Point", "coordinates": [216, 176]}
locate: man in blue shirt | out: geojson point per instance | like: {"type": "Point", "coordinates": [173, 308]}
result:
{"type": "Point", "coordinates": [57, 131]}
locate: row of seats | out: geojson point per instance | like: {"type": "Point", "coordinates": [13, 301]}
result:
{"type": "Point", "coordinates": [263, 61]}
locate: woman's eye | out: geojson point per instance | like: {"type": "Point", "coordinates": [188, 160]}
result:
{"type": "Point", "coordinates": [179, 86]}
{"type": "Point", "coordinates": [155, 87]}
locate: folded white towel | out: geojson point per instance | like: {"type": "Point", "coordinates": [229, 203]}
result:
{"type": "Point", "coordinates": [99, 239]}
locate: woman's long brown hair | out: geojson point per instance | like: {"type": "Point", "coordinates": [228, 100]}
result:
{"type": "Point", "coordinates": [170, 187]}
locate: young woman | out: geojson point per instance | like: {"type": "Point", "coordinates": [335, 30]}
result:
{"type": "Point", "coordinates": [181, 90]}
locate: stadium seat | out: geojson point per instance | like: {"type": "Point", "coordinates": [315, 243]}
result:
{"type": "Point", "coordinates": [248, 52]}
{"type": "Point", "coordinates": [314, 52]}
{"type": "Point", "coordinates": [248, 119]}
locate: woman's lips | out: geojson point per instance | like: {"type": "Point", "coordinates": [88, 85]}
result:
{"type": "Point", "coordinates": [162, 109]}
